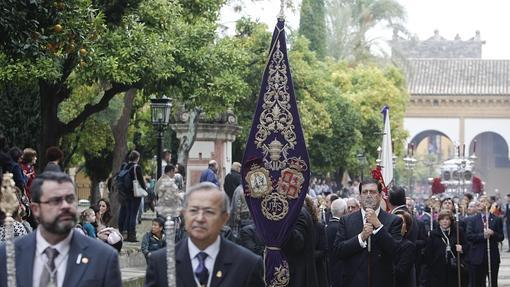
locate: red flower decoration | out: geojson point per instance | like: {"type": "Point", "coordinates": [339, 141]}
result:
{"type": "Point", "coordinates": [437, 186]}
{"type": "Point", "coordinates": [477, 185]}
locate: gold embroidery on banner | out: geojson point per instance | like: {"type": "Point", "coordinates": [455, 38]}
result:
{"type": "Point", "coordinates": [259, 182]}
{"type": "Point", "coordinates": [276, 115]}
{"type": "Point", "coordinates": [281, 276]}
{"type": "Point", "coordinates": [274, 206]}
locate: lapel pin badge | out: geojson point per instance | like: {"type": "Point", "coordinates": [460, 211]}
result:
{"type": "Point", "coordinates": [219, 274]}
{"type": "Point", "coordinates": [78, 259]}
{"type": "Point", "coordinates": [84, 260]}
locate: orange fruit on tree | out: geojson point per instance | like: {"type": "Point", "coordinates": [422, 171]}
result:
{"type": "Point", "coordinates": [57, 28]}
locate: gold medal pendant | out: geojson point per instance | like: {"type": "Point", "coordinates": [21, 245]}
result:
{"type": "Point", "coordinates": [52, 283]}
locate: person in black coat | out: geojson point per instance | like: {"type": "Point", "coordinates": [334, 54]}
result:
{"type": "Point", "coordinates": [406, 255]}
{"type": "Point", "coordinates": [232, 180]}
{"type": "Point", "coordinates": [442, 248]}
{"type": "Point", "coordinates": [477, 234]}
{"type": "Point", "coordinates": [249, 238]}
{"type": "Point", "coordinates": [129, 208]}
{"type": "Point", "coordinates": [335, 266]}
{"type": "Point", "coordinates": [299, 250]}
{"type": "Point", "coordinates": [321, 245]}
{"type": "Point", "coordinates": [352, 240]}
{"type": "Point", "coordinates": [507, 220]}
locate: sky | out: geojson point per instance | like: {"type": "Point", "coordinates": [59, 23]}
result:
{"type": "Point", "coordinates": [450, 17]}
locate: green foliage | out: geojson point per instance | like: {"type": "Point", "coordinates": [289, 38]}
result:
{"type": "Point", "coordinates": [312, 25]}
{"type": "Point", "coordinates": [348, 24]}
{"type": "Point", "coordinates": [20, 115]}
{"type": "Point", "coordinates": [312, 87]}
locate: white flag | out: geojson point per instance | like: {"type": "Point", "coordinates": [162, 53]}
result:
{"type": "Point", "coordinates": [387, 150]}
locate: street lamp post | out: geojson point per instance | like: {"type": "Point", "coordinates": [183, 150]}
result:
{"type": "Point", "coordinates": [362, 161]}
{"type": "Point", "coordinates": [160, 117]}
{"type": "Point", "coordinates": [410, 163]}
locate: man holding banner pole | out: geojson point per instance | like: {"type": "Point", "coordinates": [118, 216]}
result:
{"type": "Point", "coordinates": [354, 231]}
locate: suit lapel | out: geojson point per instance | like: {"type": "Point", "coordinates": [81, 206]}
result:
{"type": "Point", "coordinates": [183, 265]}
{"type": "Point", "coordinates": [25, 255]}
{"type": "Point", "coordinates": [222, 264]}
{"type": "Point", "coordinates": [357, 222]}
{"type": "Point", "coordinates": [383, 217]}
{"type": "Point", "coordinates": [77, 262]}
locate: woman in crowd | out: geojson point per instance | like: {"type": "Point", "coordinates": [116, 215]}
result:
{"type": "Point", "coordinates": [154, 239]}
{"type": "Point", "coordinates": [28, 160]}
{"type": "Point", "coordinates": [441, 251]}
{"type": "Point", "coordinates": [103, 220]}
{"type": "Point", "coordinates": [321, 246]}
{"type": "Point", "coordinates": [406, 256]}
{"type": "Point", "coordinates": [108, 235]}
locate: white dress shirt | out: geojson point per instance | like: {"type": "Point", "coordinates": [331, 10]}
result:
{"type": "Point", "coordinates": [41, 259]}
{"type": "Point", "coordinates": [363, 217]}
{"type": "Point", "coordinates": [212, 252]}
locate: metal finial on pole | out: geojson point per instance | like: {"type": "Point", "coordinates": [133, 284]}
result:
{"type": "Point", "coordinates": [9, 204]}
{"type": "Point", "coordinates": [169, 205]}
{"type": "Point", "coordinates": [281, 15]}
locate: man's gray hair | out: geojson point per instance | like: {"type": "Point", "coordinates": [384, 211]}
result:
{"type": "Point", "coordinates": [208, 186]}
{"type": "Point", "coordinates": [338, 207]}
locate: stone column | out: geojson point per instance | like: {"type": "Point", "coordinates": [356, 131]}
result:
{"type": "Point", "coordinates": [213, 141]}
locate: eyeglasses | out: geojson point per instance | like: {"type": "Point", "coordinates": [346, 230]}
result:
{"type": "Point", "coordinates": [206, 212]}
{"type": "Point", "coordinates": [57, 201]}
{"type": "Point", "coordinates": [369, 191]}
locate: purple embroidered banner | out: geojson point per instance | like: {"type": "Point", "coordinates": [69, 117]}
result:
{"type": "Point", "coordinates": [275, 167]}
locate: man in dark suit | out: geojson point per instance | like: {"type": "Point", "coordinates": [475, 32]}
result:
{"type": "Point", "coordinates": [397, 200]}
{"type": "Point", "coordinates": [366, 240]}
{"type": "Point", "coordinates": [507, 220]}
{"type": "Point", "coordinates": [477, 234]}
{"type": "Point", "coordinates": [335, 266]}
{"type": "Point", "coordinates": [205, 258]}
{"type": "Point", "coordinates": [54, 253]}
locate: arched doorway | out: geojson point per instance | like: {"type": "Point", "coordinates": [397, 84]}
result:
{"type": "Point", "coordinates": [492, 163]}
{"type": "Point", "coordinates": [433, 143]}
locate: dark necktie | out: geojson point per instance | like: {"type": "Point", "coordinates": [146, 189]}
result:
{"type": "Point", "coordinates": [201, 272]}
{"type": "Point", "coordinates": [49, 271]}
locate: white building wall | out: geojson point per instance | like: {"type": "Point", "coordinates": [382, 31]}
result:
{"type": "Point", "coordinates": [448, 126]}
{"type": "Point", "coordinates": [474, 127]}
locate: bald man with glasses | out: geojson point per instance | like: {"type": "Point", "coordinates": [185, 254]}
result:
{"type": "Point", "coordinates": [54, 255]}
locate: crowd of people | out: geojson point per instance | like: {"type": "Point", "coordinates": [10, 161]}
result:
{"type": "Point", "coordinates": [355, 236]}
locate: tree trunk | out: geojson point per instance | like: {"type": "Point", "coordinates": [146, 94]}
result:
{"type": "Point", "coordinates": [188, 140]}
{"type": "Point", "coordinates": [50, 134]}
{"type": "Point", "coordinates": [120, 149]}
{"type": "Point", "coordinates": [95, 195]}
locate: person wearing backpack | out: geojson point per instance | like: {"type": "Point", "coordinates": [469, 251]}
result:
{"type": "Point", "coordinates": [130, 203]}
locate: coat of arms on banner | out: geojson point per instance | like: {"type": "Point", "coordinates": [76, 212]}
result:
{"type": "Point", "coordinates": [259, 182]}
{"type": "Point", "coordinates": [292, 178]}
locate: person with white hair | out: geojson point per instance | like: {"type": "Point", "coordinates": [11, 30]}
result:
{"type": "Point", "coordinates": [338, 209]}
{"type": "Point", "coordinates": [352, 205]}
{"type": "Point", "coordinates": [210, 174]}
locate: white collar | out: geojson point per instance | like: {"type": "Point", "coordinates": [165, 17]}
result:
{"type": "Point", "coordinates": [397, 208]}
{"type": "Point", "coordinates": [211, 250]}
{"type": "Point", "coordinates": [62, 247]}
{"type": "Point", "coordinates": [376, 211]}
